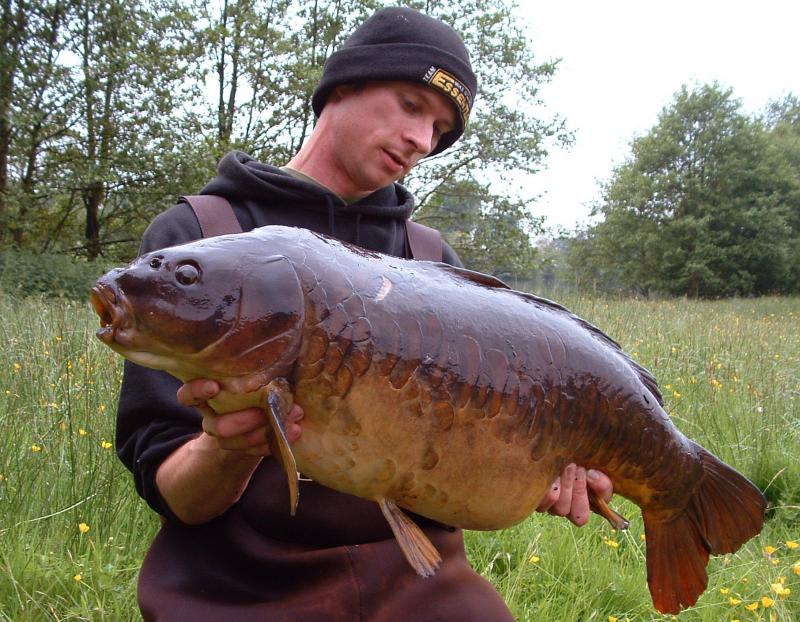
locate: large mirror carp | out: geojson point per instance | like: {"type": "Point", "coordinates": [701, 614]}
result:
{"type": "Point", "coordinates": [429, 388]}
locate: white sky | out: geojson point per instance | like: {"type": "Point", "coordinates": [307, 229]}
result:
{"type": "Point", "coordinates": [622, 62]}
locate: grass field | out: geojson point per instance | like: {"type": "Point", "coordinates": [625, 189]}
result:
{"type": "Point", "coordinates": [73, 532]}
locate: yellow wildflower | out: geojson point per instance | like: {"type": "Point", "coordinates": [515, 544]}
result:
{"type": "Point", "coordinates": [82, 432]}
{"type": "Point", "coordinates": [35, 448]}
{"type": "Point", "coordinates": [642, 537]}
{"type": "Point", "coordinates": [769, 550]}
{"type": "Point", "coordinates": [734, 601]}
{"type": "Point", "coordinates": [2, 477]}
{"type": "Point", "coordinates": [77, 578]}
{"type": "Point", "coordinates": [780, 590]}
{"type": "Point", "coordinates": [612, 618]}
{"type": "Point", "coordinates": [724, 591]}
{"type": "Point", "coordinates": [791, 544]}
{"type": "Point", "coordinates": [767, 602]}
{"type": "Point", "coordinates": [534, 559]}
{"type": "Point", "coordinates": [796, 568]}
{"type": "Point", "coordinates": [106, 445]}
{"type": "Point", "coordinates": [752, 606]}
{"type": "Point", "coordinates": [676, 395]}
{"type": "Point", "coordinates": [612, 543]}
{"type": "Point", "coordinates": [17, 366]}
{"type": "Point", "coordinates": [83, 527]}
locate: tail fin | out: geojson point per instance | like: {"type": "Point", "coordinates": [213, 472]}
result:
{"type": "Point", "coordinates": [724, 513]}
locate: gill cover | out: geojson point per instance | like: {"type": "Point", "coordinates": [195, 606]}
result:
{"type": "Point", "coordinates": [268, 330]}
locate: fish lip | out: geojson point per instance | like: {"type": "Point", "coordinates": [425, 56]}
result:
{"type": "Point", "coordinates": [113, 310]}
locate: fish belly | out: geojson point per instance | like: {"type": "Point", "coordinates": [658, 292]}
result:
{"type": "Point", "coordinates": [373, 444]}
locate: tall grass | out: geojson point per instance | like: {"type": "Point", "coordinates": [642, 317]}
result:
{"type": "Point", "coordinates": [73, 532]}
{"type": "Point", "coordinates": [58, 471]}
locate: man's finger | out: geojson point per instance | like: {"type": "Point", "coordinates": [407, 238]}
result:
{"type": "Point", "coordinates": [197, 391]}
{"type": "Point", "coordinates": [579, 510]}
{"type": "Point", "coordinates": [551, 497]}
{"type": "Point", "coordinates": [564, 503]}
{"type": "Point", "coordinates": [600, 483]}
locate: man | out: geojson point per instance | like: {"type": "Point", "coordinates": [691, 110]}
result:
{"type": "Point", "coordinates": [400, 88]}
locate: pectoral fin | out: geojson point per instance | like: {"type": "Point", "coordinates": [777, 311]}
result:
{"type": "Point", "coordinates": [417, 548]}
{"type": "Point", "coordinates": [599, 506]}
{"type": "Point", "coordinates": [278, 445]}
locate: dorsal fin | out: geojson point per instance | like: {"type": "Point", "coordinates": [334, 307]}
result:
{"type": "Point", "coordinates": [476, 277]}
{"type": "Point", "coordinates": [647, 378]}
{"type": "Point", "coordinates": [488, 280]}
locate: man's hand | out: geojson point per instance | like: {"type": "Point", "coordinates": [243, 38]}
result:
{"type": "Point", "coordinates": [242, 430]}
{"type": "Point", "coordinates": [568, 496]}
{"type": "Point", "coordinates": [206, 475]}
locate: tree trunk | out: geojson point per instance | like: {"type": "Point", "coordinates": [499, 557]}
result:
{"type": "Point", "coordinates": [92, 199]}
{"type": "Point", "coordinates": [11, 34]}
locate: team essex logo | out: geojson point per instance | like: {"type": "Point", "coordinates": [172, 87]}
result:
{"type": "Point", "coordinates": [452, 88]}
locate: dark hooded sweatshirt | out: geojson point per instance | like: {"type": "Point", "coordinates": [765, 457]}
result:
{"type": "Point", "coordinates": [336, 559]}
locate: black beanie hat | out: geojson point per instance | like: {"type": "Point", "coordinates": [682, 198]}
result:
{"type": "Point", "coordinates": [404, 44]}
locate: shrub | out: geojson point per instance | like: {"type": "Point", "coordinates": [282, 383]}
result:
{"type": "Point", "coordinates": [49, 274]}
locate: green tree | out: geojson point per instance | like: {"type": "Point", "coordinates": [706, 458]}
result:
{"type": "Point", "coordinates": [92, 109]}
{"type": "Point", "coordinates": [697, 209]}
{"type": "Point", "coordinates": [507, 136]}
{"type": "Point", "coordinates": [131, 65]}
{"type": "Point", "coordinates": [35, 108]}
{"type": "Point", "coordinates": [135, 103]}
{"type": "Point", "coordinates": [782, 120]}
{"type": "Point", "coordinates": [263, 106]}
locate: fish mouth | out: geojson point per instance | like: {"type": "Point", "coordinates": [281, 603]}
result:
{"type": "Point", "coordinates": [113, 310]}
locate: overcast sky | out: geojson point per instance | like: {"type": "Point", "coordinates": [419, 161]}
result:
{"type": "Point", "coordinates": [622, 62]}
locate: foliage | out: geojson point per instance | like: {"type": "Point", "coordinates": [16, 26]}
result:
{"type": "Point", "coordinates": [47, 274]}
{"type": "Point", "coordinates": [488, 221]}
{"type": "Point", "coordinates": [92, 158]}
{"type": "Point", "coordinates": [491, 235]}
{"type": "Point", "coordinates": [704, 206]}
{"type": "Point", "coordinates": [135, 102]}
{"type": "Point", "coordinates": [73, 533]}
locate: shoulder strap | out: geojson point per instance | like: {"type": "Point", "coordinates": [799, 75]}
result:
{"type": "Point", "coordinates": [425, 242]}
{"type": "Point", "coordinates": [216, 217]}
{"type": "Point", "coordinates": [214, 213]}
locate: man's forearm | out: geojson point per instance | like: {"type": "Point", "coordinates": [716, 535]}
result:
{"type": "Point", "coordinates": [199, 481]}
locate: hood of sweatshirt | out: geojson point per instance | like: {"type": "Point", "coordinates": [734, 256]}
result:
{"type": "Point", "coordinates": [266, 195]}
{"type": "Point", "coordinates": [241, 178]}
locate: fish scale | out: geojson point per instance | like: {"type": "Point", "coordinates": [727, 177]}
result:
{"type": "Point", "coordinates": [429, 388]}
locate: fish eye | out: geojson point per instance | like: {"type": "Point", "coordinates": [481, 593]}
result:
{"type": "Point", "coordinates": [156, 262]}
{"type": "Point", "coordinates": [187, 274]}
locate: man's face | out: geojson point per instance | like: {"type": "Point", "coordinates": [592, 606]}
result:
{"type": "Point", "coordinates": [381, 130]}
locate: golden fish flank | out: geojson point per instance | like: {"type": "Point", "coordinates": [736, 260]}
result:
{"type": "Point", "coordinates": [429, 388]}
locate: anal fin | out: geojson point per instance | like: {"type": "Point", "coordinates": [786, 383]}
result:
{"type": "Point", "coordinates": [278, 445]}
{"type": "Point", "coordinates": [417, 548]}
{"type": "Point", "coordinates": [599, 506]}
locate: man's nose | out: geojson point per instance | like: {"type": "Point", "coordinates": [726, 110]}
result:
{"type": "Point", "coordinates": [420, 134]}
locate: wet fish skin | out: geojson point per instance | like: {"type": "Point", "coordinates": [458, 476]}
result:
{"type": "Point", "coordinates": [430, 387]}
